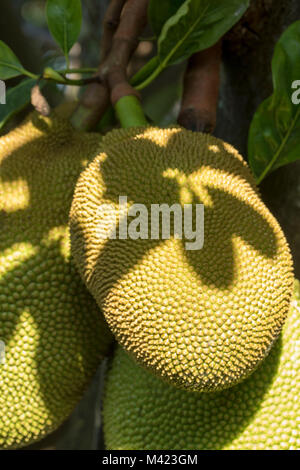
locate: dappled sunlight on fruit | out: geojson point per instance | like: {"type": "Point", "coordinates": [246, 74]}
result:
{"type": "Point", "coordinates": [53, 331]}
{"type": "Point", "coordinates": [202, 319]}
{"type": "Point", "coordinates": [142, 412]}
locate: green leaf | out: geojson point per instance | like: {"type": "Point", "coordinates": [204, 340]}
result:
{"type": "Point", "coordinates": [160, 11]}
{"type": "Point", "coordinates": [16, 99]}
{"type": "Point", "coordinates": [146, 71]}
{"type": "Point", "coordinates": [274, 135]}
{"type": "Point", "coordinates": [197, 25]}
{"type": "Point", "coordinates": [9, 63]}
{"type": "Point", "coordinates": [64, 22]}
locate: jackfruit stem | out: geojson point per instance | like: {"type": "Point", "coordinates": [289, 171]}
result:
{"type": "Point", "coordinates": [130, 112]}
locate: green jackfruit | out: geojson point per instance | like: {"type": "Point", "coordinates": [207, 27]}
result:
{"type": "Point", "coordinates": [140, 411]}
{"type": "Point", "coordinates": [50, 325]}
{"type": "Point", "coordinates": [202, 319]}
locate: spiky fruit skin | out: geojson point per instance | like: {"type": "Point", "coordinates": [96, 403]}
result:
{"type": "Point", "coordinates": [53, 332]}
{"type": "Point", "coordinates": [201, 319]}
{"type": "Point", "coordinates": [140, 411]}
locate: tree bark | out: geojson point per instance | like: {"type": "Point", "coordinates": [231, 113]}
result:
{"type": "Point", "coordinates": [246, 82]}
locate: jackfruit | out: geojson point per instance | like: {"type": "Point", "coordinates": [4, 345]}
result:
{"type": "Point", "coordinates": [201, 319]}
{"type": "Point", "coordinates": [50, 326]}
{"type": "Point", "coordinates": [140, 411]}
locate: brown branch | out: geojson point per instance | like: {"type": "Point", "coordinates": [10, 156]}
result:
{"type": "Point", "coordinates": [110, 24]}
{"type": "Point", "coordinates": [122, 28]}
{"type": "Point", "coordinates": [201, 89]}
{"type": "Point", "coordinates": [125, 41]}
{"type": "Point", "coordinates": [95, 99]}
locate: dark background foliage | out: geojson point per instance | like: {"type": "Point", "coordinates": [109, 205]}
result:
{"type": "Point", "coordinates": [246, 82]}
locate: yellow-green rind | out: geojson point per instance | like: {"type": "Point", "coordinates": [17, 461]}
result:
{"type": "Point", "coordinates": [202, 319]}
{"type": "Point", "coordinates": [53, 331]}
{"type": "Point", "coordinates": [262, 413]}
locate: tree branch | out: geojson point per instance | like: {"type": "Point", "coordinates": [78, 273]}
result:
{"type": "Point", "coordinates": [125, 41]}
{"type": "Point", "coordinates": [201, 89]}
{"type": "Point", "coordinates": [110, 24]}
{"type": "Point", "coordinates": [123, 23]}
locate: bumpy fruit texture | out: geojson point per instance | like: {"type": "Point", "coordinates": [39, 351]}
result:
{"type": "Point", "coordinates": [201, 319]}
{"type": "Point", "coordinates": [142, 412]}
{"type": "Point", "coordinates": [52, 329]}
